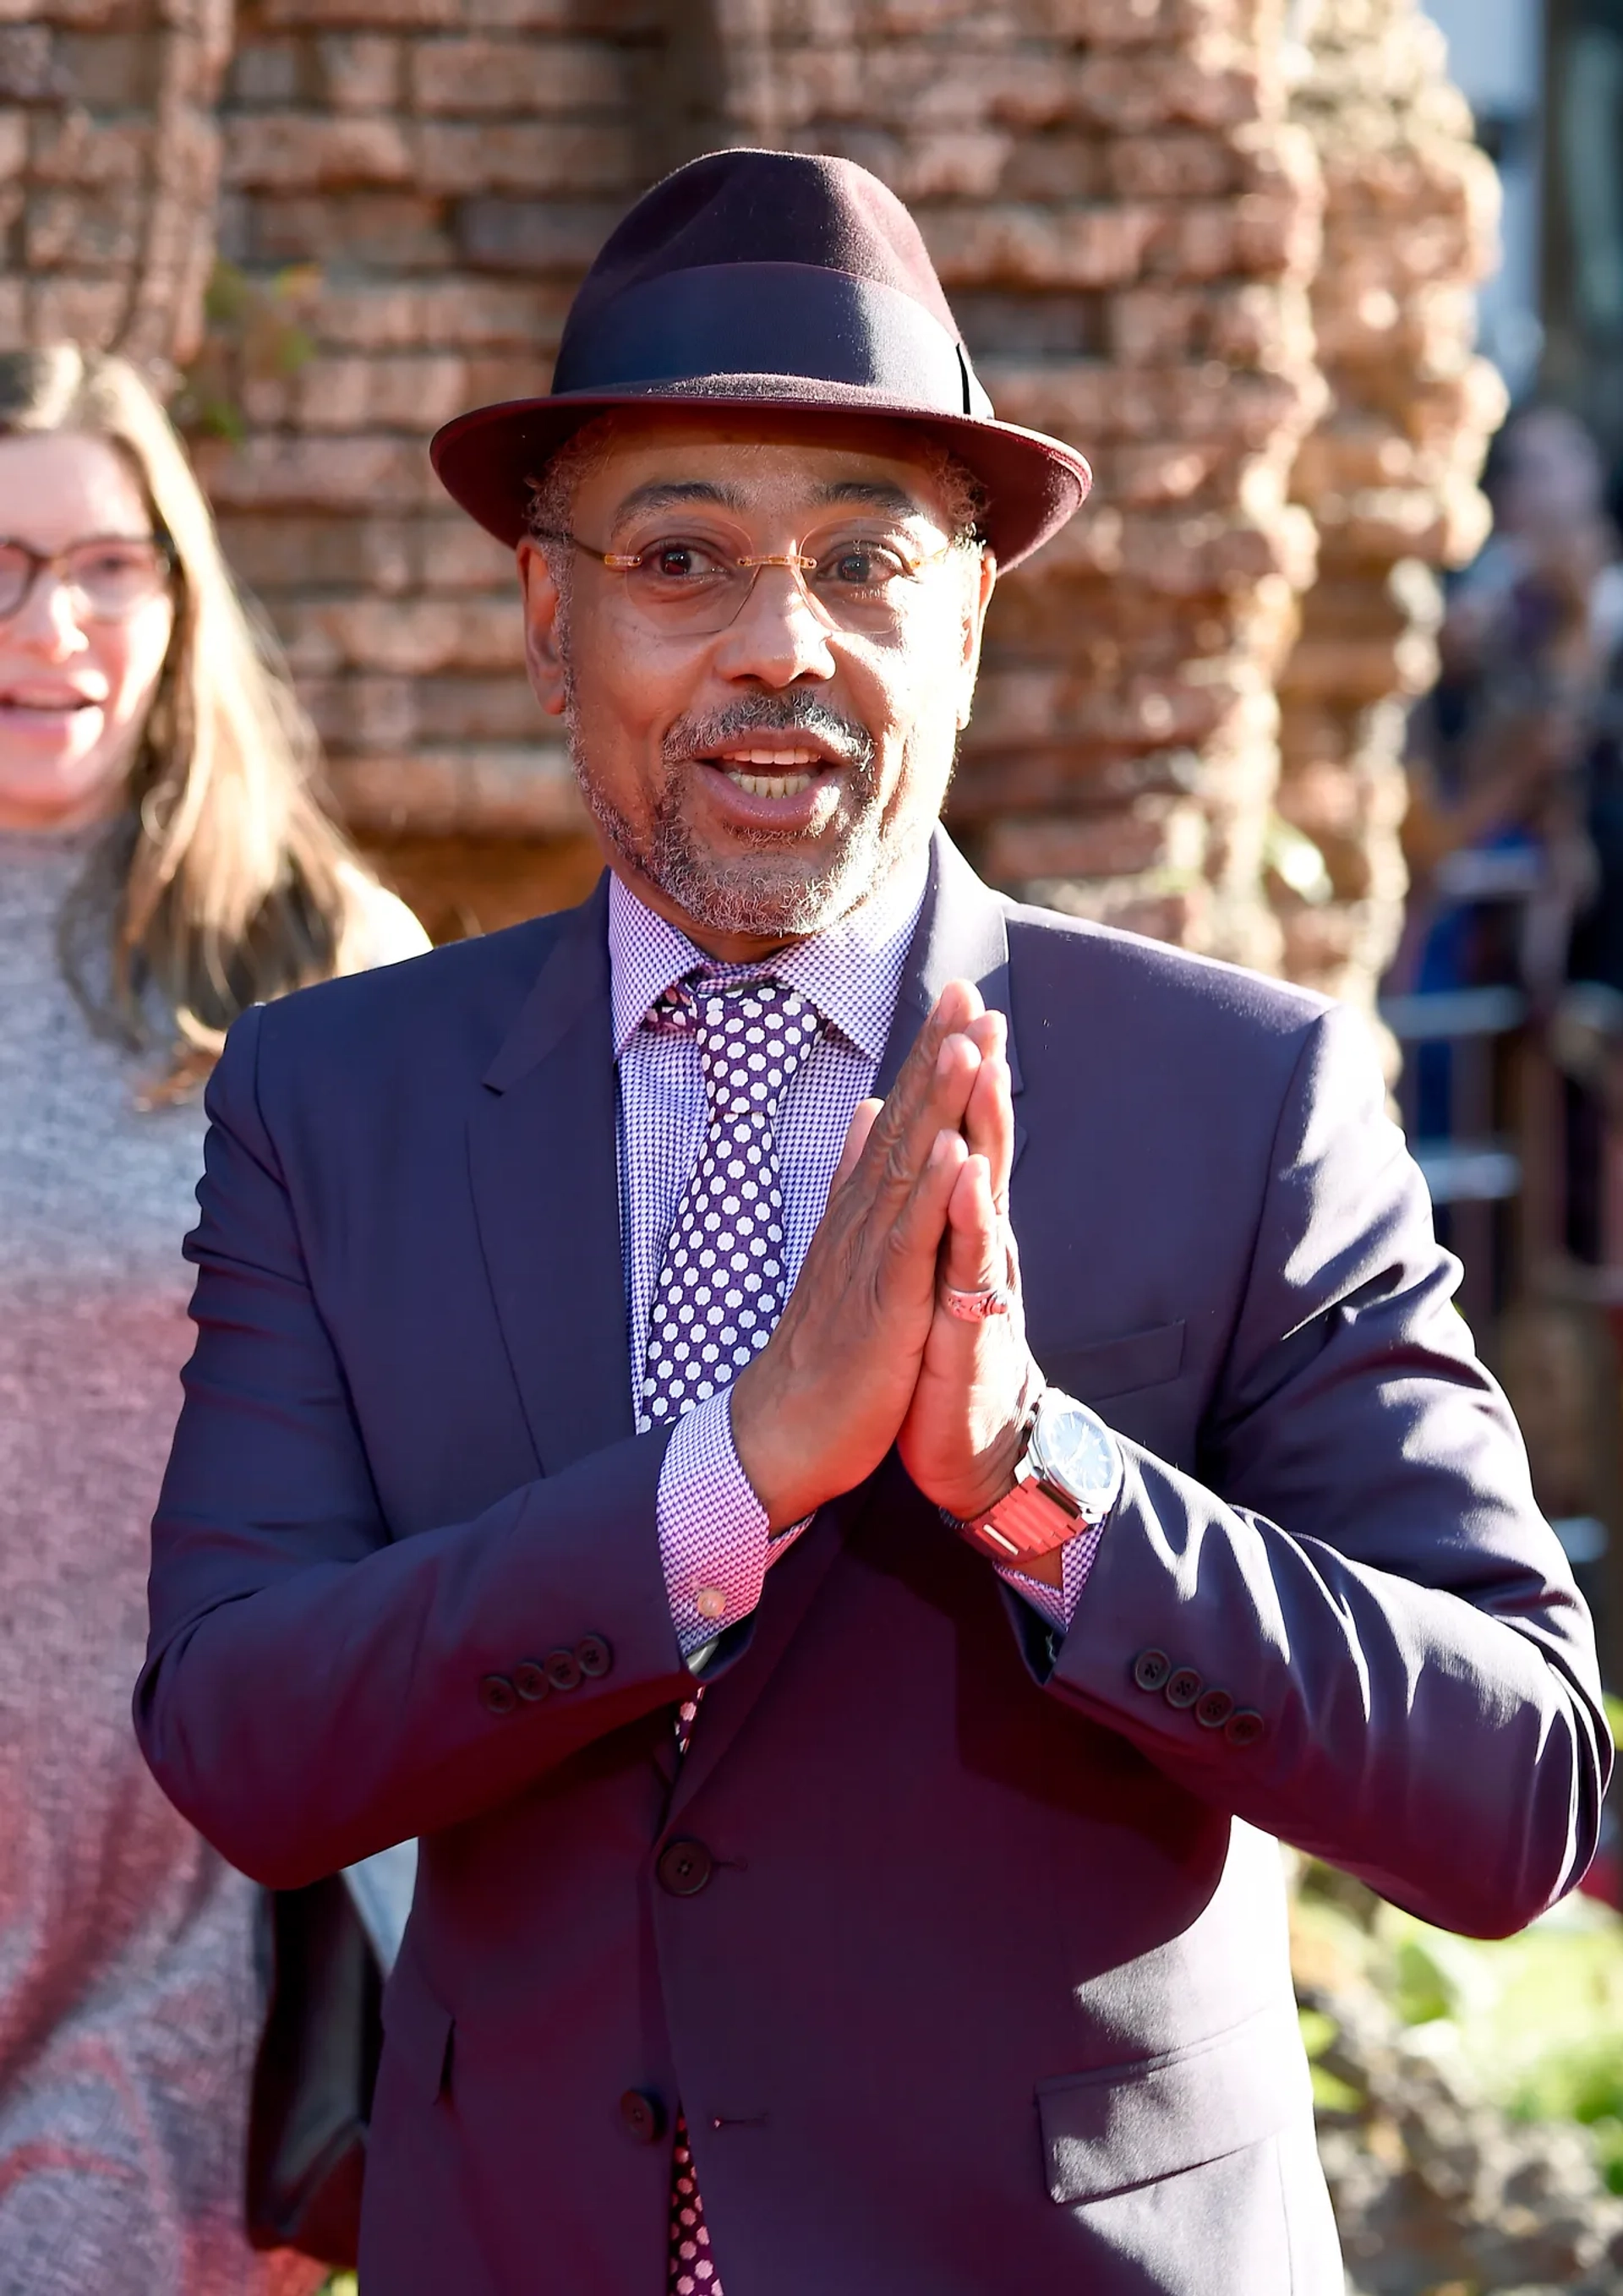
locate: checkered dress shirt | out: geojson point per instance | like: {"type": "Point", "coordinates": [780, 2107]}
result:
{"type": "Point", "coordinates": [713, 1530]}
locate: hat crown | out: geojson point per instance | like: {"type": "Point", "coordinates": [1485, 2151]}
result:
{"type": "Point", "coordinates": [762, 207]}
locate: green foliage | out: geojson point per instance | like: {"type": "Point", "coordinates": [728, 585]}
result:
{"type": "Point", "coordinates": [254, 332]}
{"type": "Point", "coordinates": [1537, 2020]}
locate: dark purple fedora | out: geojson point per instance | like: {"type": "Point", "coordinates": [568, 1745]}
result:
{"type": "Point", "coordinates": [766, 280]}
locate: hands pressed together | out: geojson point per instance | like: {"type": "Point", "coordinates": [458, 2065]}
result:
{"type": "Point", "coordinates": [865, 1355]}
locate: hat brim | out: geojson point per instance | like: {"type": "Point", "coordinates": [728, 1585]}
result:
{"type": "Point", "coordinates": [486, 458]}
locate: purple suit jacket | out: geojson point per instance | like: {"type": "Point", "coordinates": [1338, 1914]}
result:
{"type": "Point", "coordinates": [970, 1969]}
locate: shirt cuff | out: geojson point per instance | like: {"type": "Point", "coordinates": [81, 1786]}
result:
{"type": "Point", "coordinates": [1058, 1604]}
{"type": "Point", "coordinates": [713, 1536]}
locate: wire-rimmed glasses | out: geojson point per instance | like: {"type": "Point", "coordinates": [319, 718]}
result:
{"type": "Point", "coordinates": [110, 577]}
{"type": "Point", "coordinates": [686, 585]}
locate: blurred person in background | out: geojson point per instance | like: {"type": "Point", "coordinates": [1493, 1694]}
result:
{"type": "Point", "coordinates": [1497, 750]}
{"type": "Point", "coordinates": [164, 863]}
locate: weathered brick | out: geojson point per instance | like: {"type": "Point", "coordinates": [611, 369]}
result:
{"type": "Point", "coordinates": [498, 789]}
{"type": "Point", "coordinates": [359, 72]}
{"type": "Point", "coordinates": [317, 473]}
{"type": "Point", "coordinates": [450, 313]}
{"type": "Point", "coordinates": [530, 156]}
{"type": "Point", "coordinates": [537, 237]}
{"type": "Point", "coordinates": [378, 231]}
{"type": "Point", "coordinates": [466, 78]}
{"type": "Point", "coordinates": [304, 150]}
{"type": "Point", "coordinates": [93, 233]}
{"type": "Point", "coordinates": [265, 73]}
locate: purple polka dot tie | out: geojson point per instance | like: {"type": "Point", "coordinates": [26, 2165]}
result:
{"type": "Point", "coordinates": [721, 1290]}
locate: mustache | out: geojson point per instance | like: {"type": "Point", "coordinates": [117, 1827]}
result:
{"type": "Point", "coordinates": [696, 736]}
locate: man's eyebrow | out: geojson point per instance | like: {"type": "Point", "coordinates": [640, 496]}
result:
{"type": "Point", "coordinates": [878, 493]}
{"type": "Point", "coordinates": [671, 494]}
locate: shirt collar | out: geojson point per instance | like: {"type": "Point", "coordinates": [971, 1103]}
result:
{"type": "Point", "coordinates": [851, 973]}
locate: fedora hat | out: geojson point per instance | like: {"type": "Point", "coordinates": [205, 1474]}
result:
{"type": "Point", "coordinates": [766, 280]}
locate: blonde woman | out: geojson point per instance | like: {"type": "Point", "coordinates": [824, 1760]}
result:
{"type": "Point", "coordinates": [163, 863]}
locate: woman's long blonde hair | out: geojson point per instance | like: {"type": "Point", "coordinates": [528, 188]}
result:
{"type": "Point", "coordinates": [224, 880]}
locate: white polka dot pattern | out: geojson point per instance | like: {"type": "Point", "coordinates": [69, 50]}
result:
{"type": "Point", "coordinates": [723, 1284]}
{"type": "Point", "coordinates": [720, 1292]}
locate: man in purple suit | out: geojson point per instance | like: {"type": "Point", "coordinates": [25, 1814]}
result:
{"type": "Point", "coordinates": [845, 1452]}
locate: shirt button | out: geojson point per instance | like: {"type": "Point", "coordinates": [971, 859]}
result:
{"type": "Point", "coordinates": [1212, 1711]}
{"type": "Point", "coordinates": [710, 1601]}
{"type": "Point", "coordinates": [1244, 1728]}
{"type": "Point", "coordinates": [529, 1680]}
{"type": "Point", "coordinates": [498, 1694]}
{"type": "Point", "coordinates": [1184, 1687]}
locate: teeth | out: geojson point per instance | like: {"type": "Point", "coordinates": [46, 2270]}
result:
{"type": "Point", "coordinates": [770, 784]}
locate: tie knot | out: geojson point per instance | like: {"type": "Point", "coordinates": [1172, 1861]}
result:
{"type": "Point", "coordinates": [753, 1035]}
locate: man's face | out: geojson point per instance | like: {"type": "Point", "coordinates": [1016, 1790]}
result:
{"type": "Point", "coordinates": [756, 781]}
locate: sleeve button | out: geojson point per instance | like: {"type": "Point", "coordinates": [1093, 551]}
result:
{"type": "Point", "coordinates": [498, 1694]}
{"type": "Point", "coordinates": [1150, 1669]}
{"type": "Point", "coordinates": [1212, 1711]}
{"type": "Point", "coordinates": [529, 1680]}
{"type": "Point", "coordinates": [594, 1657]}
{"type": "Point", "coordinates": [563, 1669]}
{"type": "Point", "coordinates": [1244, 1728]}
{"type": "Point", "coordinates": [1184, 1687]}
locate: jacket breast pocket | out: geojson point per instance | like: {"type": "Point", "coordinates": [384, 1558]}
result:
{"type": "Point", "coordinates": [1108, 1368]}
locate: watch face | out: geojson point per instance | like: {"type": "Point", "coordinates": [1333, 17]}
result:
{"type": "Point", "coordinates": [1078, 1451]}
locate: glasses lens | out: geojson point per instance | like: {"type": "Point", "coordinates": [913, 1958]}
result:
{"type": "Point", "coordinates": [681, 585]}
{"type": "Point", "coordinates": [862, 585]}
{"type": "Point", "coordinates": [15, 567]}
{"type": "Point", "coordinates": [114, 577]}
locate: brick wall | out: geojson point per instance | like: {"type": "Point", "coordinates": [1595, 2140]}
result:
{"type": "Point", "coordinates": [1124, 199]}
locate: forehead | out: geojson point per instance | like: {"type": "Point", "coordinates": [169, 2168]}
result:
{"type": "Point", "coordinates": [56, 486]}
{"type": "Point", "coordinates": [795, 465]}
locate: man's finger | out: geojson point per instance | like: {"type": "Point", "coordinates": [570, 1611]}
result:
{"type": "Point", "coordinates": [863, 1119]}
{"type": "Point", "coordinates": [988, 1124]}
{"type": "Point", "coordinates": [910, 1244]}
{"type": "Point", "coordinates": [974, 1259]}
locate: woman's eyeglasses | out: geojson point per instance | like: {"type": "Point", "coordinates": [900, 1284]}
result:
{"type": "Point", "coordinates": [681, 585]}
{"type": "Point", "coordinates": [109, 576]}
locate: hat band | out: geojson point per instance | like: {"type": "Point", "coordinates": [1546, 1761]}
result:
{"type": "Point", "coordinates": [797, 320]}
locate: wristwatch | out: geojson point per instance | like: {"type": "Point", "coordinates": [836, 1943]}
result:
{"type": "Point", "coordinates": [1067, 1480]}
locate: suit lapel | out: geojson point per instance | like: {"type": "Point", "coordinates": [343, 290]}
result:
{"type": "Point", "coordinates": [543, 1167]}
{"type": "Point", "coordinates": [960, 935]}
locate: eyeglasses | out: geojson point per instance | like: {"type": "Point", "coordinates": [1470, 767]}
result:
{"type": "Point", "coordinates": [109, 576]}
{"type": "Point", "coordinates": [681, 585]}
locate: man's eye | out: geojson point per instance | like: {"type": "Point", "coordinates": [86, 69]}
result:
{"type": "Point", "coordinates": [680, 562]}
{"type": "Point", "coordinates": [860, 565]}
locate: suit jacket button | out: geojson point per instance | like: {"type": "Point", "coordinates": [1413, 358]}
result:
{"type": "Point", "coordinates": [1212, 1711]}
{"type": "Point", "coordinates": [563, 1669]}
{"type": "Point", "coordinates": [594, 1657]}
{"type": "Point", "coordinates": [642, 2116]}
{"type": "Point", "coordinates": [1150, 1669]}
{"type": "Point", "coordinates": [498, 1694]}
{"type": "Point", "coordinates": [1244, 1728]}
{"type": "Point", "coordinates": [684, 1868]}
{"type": "Point", "coordinates": [529, 1680]}
{"type": "Point", "coordinates": [1184, 1687]}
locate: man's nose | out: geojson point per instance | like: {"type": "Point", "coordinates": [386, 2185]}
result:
{"type": "Point", "coordinates": [778, 636]}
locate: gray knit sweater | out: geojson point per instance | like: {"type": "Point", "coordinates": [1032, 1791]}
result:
{"type": "Point", "coordinates": [131, 1983]}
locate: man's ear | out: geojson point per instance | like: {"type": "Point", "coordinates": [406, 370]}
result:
{"type": "Point", "coordinates": [982, 587]}
{"type": "Point", "coordinates": [543, 653]}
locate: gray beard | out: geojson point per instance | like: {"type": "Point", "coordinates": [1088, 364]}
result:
{"type": "Point", "coordinates": [748, 895]}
